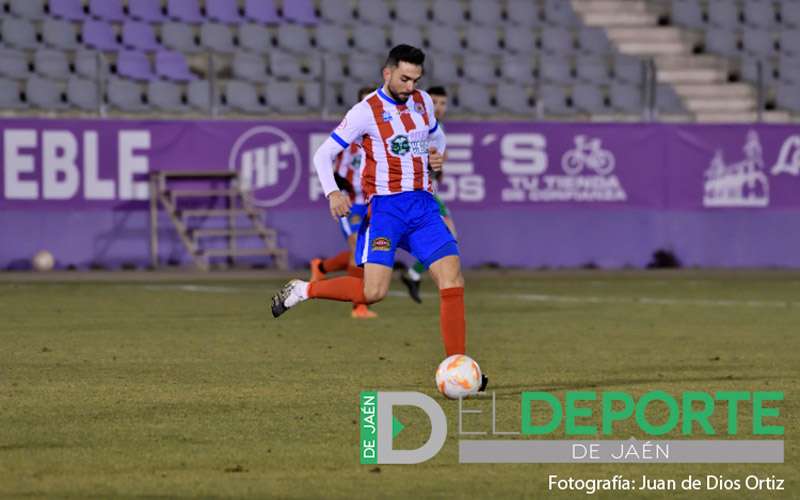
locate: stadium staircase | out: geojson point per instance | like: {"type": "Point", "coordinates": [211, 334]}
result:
{"type": "Point", "coordinates": [192, 199]}
{"type": "Point", "coordinates": [701, 80]}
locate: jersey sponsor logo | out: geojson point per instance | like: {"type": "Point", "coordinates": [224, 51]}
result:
{"type": "Point", "coordinates": [381, 244]}
{"type": "Point", "coordinates": [399, 145]}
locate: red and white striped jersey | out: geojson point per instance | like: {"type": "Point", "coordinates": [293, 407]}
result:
{"type": "Point", "coordinates": [395, 138]}
{"type": "Point", "coordinates": [348, 165]}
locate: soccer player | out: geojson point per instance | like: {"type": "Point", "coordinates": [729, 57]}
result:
{"type": "Point", "coordinates": [347, 173]}
{"type": "Point", "coordinates": [401, 139]}
{"type": "Point", "coordinates": [413, 276]}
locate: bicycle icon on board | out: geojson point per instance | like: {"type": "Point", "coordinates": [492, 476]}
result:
{"type": "Point", "coordinates": [588, 153]}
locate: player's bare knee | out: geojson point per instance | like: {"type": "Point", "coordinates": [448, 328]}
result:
{"type": "Point", "coordinates": [455, 281]}
{"type": "Point", "coordinates": [374, 293]}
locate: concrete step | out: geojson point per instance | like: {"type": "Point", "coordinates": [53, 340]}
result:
{"type": "Point", "coordinates": [691, 75]}
{"type": "Point", "coordinates": [699, 105]}
{"type": "Point", "coordinates": [649, 33]}
{"type": "Point", "coordinates": [710, 90]}
{"type": "Point", "coordinates": [683, 61]}
{"type": "Point", "coordinates": [742, 116]}
{"type": "Point", "coordinates": [619, 18]}
{"type": "Point", "coordinates": [609, 5]}
{"type": "Point", "coordinates": [653, 48]}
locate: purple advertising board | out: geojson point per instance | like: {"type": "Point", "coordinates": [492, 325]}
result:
{"type": "Point", "coordinates": [522, 193]}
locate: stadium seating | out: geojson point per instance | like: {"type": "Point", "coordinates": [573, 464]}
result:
{"type": "Point", "coordinates": [82, 94]}
{"type": "Point", "coordinates": [60, 34]}
{"type": "Point", "coordinates": [146, 10]}
{"type": "Point", "coordinates": [154, 53]}
{"type": "Point", "coordinates": [748, 32]}
{"type": "Point", "coordinates": [32, 10]}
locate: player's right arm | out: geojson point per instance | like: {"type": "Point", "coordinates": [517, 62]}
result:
{"type": "Point", "coordinates": [351, 129]}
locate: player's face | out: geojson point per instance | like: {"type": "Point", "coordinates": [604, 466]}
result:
{"type": "Point", "coordinates": [439, 106]}
{"type": "Point", "coordinates": [402, 80]}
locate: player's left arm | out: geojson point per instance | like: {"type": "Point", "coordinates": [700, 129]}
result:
{"type": "Point", "coordinates": [437, 141]}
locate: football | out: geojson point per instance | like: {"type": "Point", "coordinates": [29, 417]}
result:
{"type": "Point", "coordinates": [458, 376]}
{"type": "Point", "coordinates": [43, 261]}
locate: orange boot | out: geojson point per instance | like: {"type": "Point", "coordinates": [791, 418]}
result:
{"type": "Point", "coordinates": [361, 311]}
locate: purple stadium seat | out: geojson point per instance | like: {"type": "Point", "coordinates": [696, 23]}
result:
{"type": "Point", "coordinates": [187, 11]}
{"type": "Point", "coordinates": [139, 36]}
{"type": "Point", "coordinates": [146, 10]}
{"type": "Point", "coordinates": [134, 65]}
{"type": "Point", "coordinates": [107, 10]}
{"type": "Point", "coordinates": [223, 11]}
{"type": "Point", "coordinates": [300, 11]}
{"type": "Point", "coordinates": [68, 9]}
{"type": "Point", "coordinates": [100, 35]}
{"type": "Point", "coordinates": [172, 65]}
{"type": "Point", "coordinates": [261, 11]}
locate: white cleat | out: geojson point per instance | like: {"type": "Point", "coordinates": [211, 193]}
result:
{"type": "Point", "coordinates": [291, 294]}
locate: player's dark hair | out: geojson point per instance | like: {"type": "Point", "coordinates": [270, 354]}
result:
{"type": "Point", "coordinates": [437, 90]}
{"type": "Point", "coordinates": [363, 91]}
{"type": "Point", "coordinates": [405, 53]}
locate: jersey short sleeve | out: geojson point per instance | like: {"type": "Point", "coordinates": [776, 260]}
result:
{"type": "Point", "coordinates": [433, 124]}
{"type": "Point", "coordinates": [354, 125]}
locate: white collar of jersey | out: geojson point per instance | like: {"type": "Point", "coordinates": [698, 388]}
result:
{"type": "Point", "coordinates": [387, 98]}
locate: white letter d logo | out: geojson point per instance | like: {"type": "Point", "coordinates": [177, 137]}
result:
{"type": "Point", "coordinates": [387, 455]}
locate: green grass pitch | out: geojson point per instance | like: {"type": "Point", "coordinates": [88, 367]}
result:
{"type": "Point", "coordinates": [186, 387]}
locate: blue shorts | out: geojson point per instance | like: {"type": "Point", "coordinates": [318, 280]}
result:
{"type": "Point", "coordinates": [352, 223]}
{"type": "Point", "coordinates": [408, 220]}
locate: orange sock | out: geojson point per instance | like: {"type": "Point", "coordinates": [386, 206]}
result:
{"type": "Point", "coordinates": [452, 321]}
{"type": "Point", "coordinates": [356, 272]}
{"type": "Point", "coordinates": [336, 263]}
{"type": "Point", "coordinates": [344, 289]}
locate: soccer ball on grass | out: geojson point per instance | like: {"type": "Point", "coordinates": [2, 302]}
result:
{"type": "Point", "coordinates": [458, 376]}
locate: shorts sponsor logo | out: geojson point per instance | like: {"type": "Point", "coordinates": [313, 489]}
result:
{"type": "Point", "coordinates": [381, 244]}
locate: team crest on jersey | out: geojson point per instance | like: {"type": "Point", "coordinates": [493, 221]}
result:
{"type": "Point", "coordinates": [419, 107]}
{"type": "Point", "coordinates": [399, 145]}
{"type": "Point", "coordinates": [381, 244]}
{"type": "Point", "coordinates": [387, 117]}
{"type": "Point", "coordinates": [356, 162]}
